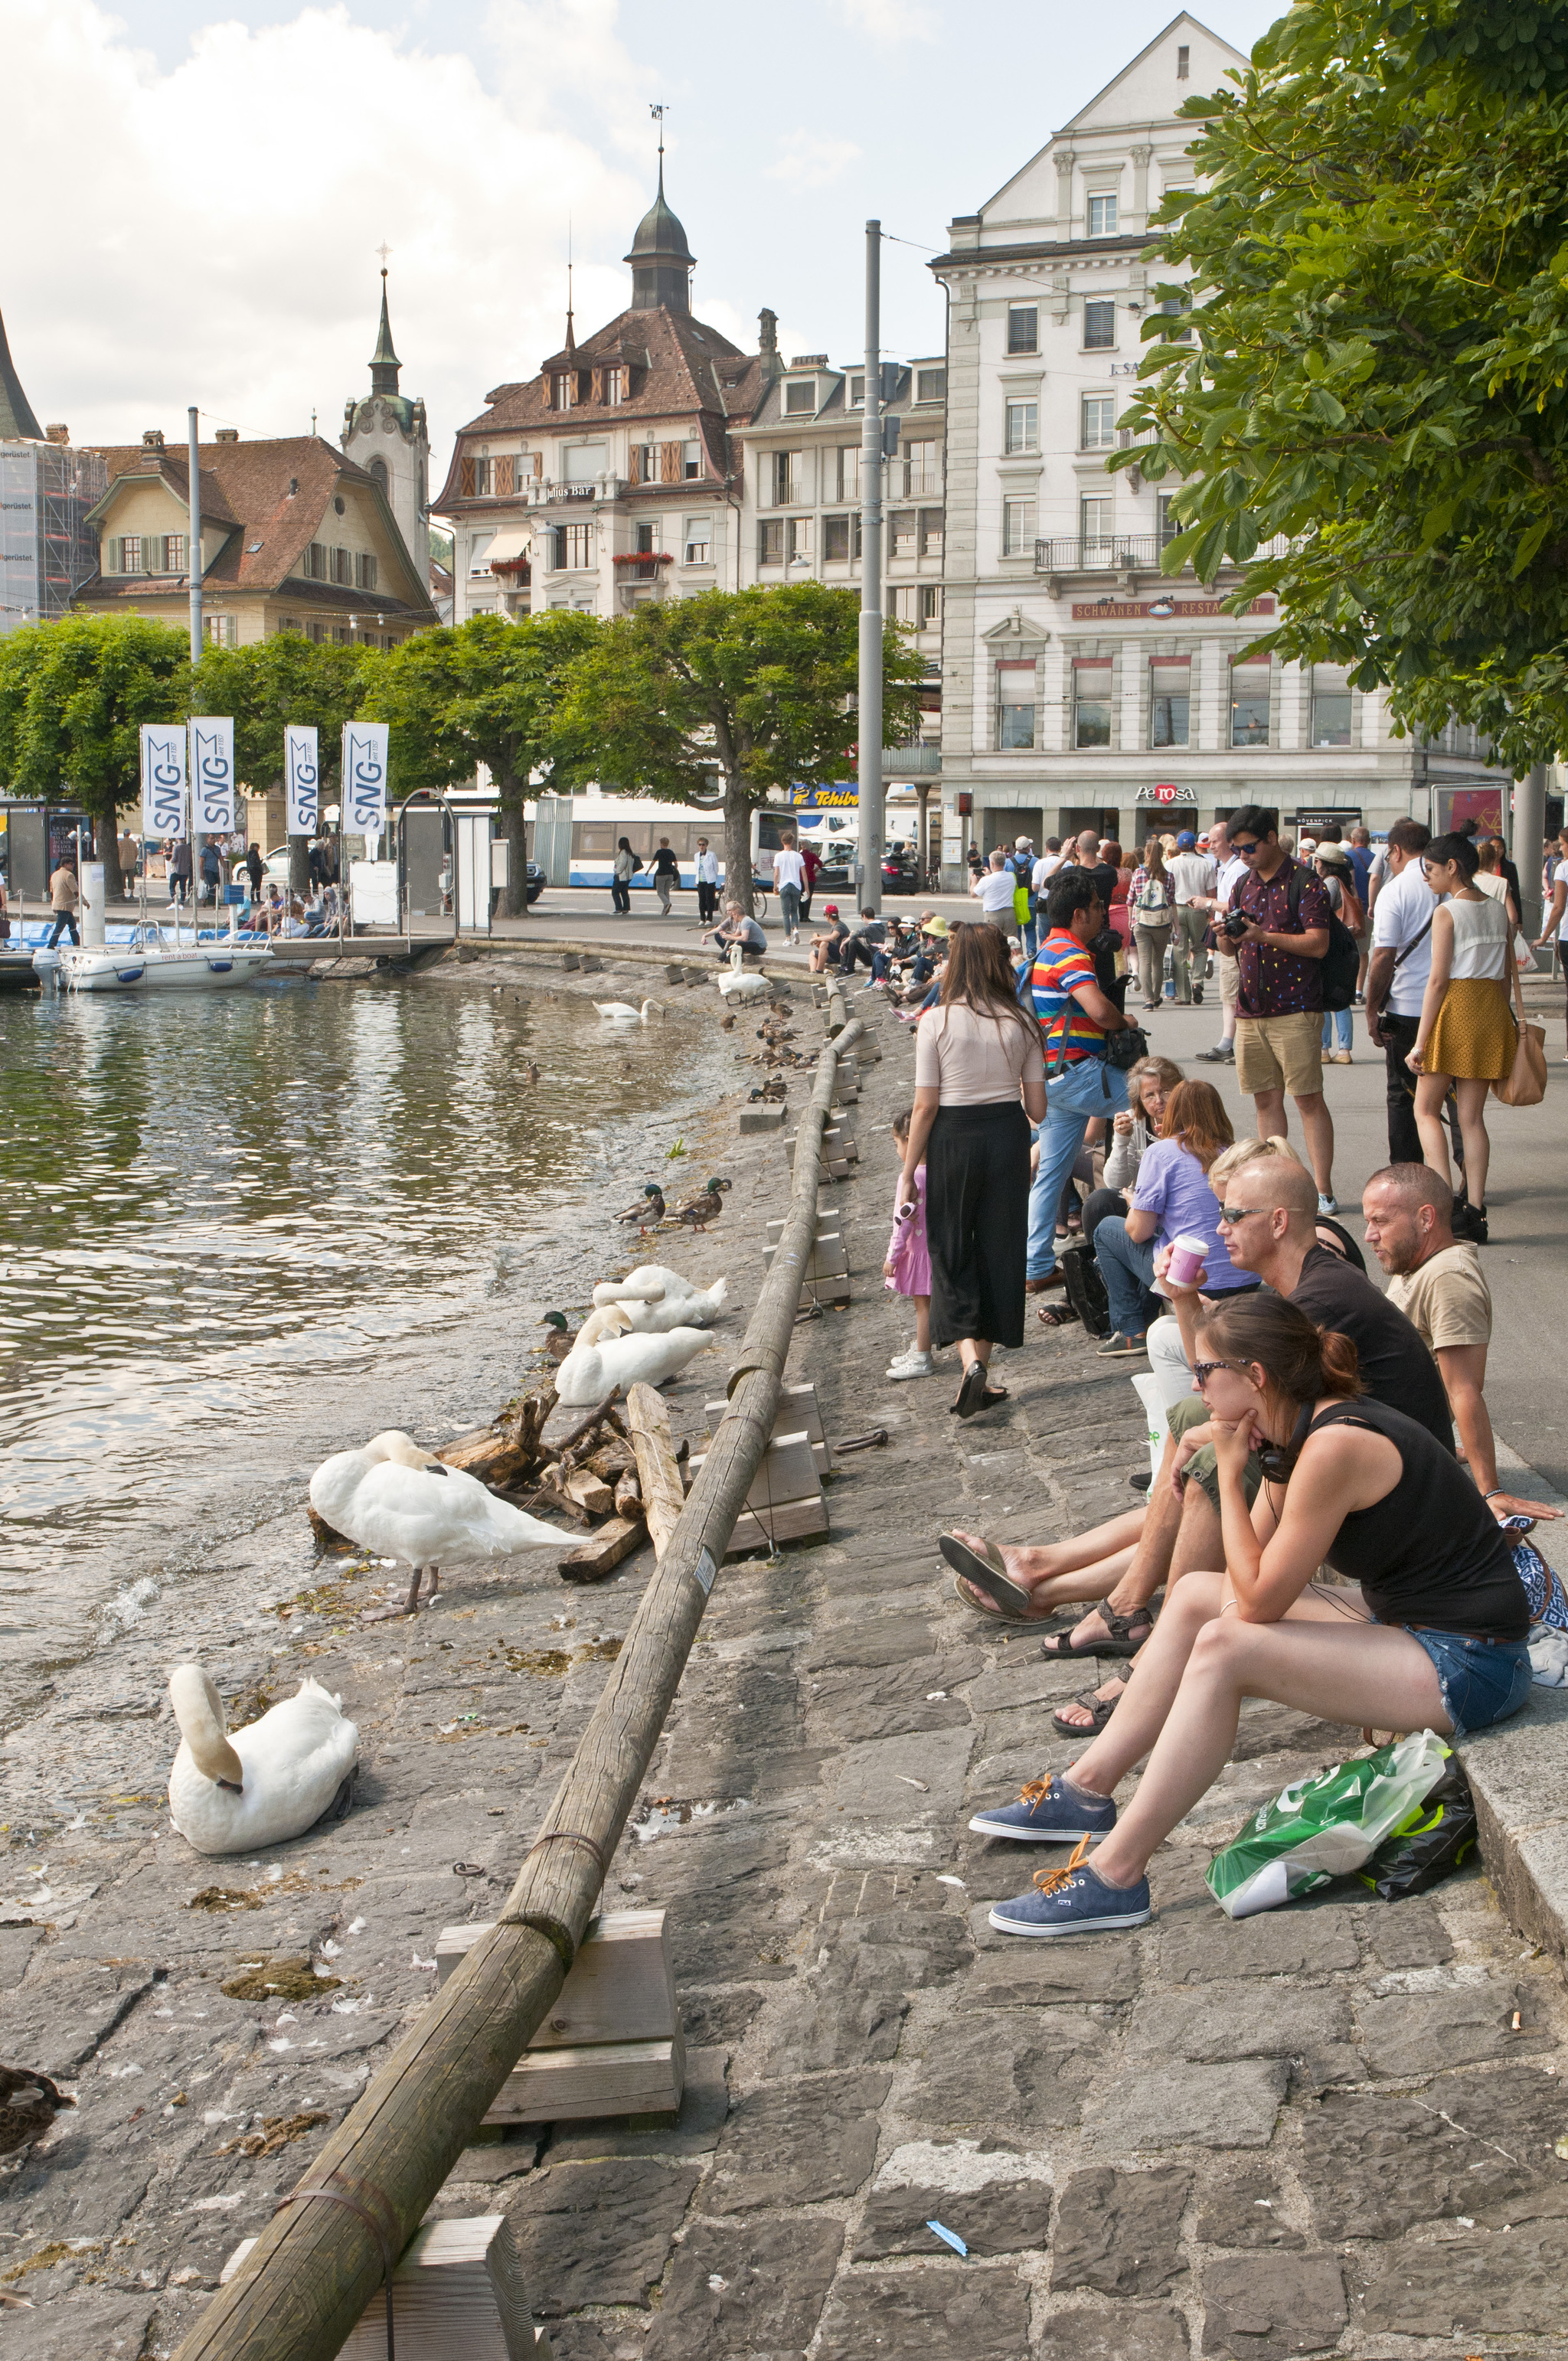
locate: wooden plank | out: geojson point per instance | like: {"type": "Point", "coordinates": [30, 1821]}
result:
{"type": "Point", "coordinates": [799, 1413]}
{"type": "Point", "coordinates": [791, 1521]}
{"type": "Point", "coordinates": [828, 1259]}
{"type": "Point", "coordinates": [620, 1988]}
{"type": "Point", "coordinates": [788, 1471]}
{"type": "Point", "coordinates": [603, 1554]}
{"type": "Point", "coordinates": [458, 2288]}
{"type": "Point", "coordinates": [612, 2078]}
{"type": "Point", "coordinates": [658, 1473]}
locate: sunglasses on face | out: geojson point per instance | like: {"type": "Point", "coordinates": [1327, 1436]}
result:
{"type": "Point", "coordinates": [1204, 1370]}
{"type": "Point", "coordinates": [1234, 1213]}
{"type": "Point", "coordinates": [1244, 849]}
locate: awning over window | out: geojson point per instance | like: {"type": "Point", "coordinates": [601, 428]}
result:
{"type": "Point", "coordinates": [511, 542]}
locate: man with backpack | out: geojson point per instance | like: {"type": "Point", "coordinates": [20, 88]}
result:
{"type": "Point", "coordinates": [1193, 876]}
{"type": "Point", "coordinates": [1280, 930]}
{"type": "Point", "coordinates": [1021, 865]}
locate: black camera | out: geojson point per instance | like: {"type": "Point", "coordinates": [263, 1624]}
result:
{"type": "Point", "coordinates": [1235, 923]}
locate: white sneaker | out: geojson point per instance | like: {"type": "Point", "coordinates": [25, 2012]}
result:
{"type": "Point", "coordinates": [911, 1364]}
{"type": "Point", "coordinates": [1327, 1204]}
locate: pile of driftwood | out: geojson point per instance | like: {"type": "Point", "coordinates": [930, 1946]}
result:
{"type": "Point", "coordinates": [616, 1475]}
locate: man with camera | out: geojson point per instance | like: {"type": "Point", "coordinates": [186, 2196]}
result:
{"type": "Point", "coordinates": [1276, 931]}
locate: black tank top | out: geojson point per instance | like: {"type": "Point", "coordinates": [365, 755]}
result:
{"type": "Point", "coordinates": [1431, 1552]}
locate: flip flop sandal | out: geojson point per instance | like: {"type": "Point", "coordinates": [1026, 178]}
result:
{"type": "Point", "coordinates": [1120, 1642]}
{"type": "Point", "coordinates": [1099, 1710]}
{"type": "Point", "coordinates": [985, 1569]}
{"type": "Point", "coordinates": [971, 1393]}
{"type": "Point", "coordinates": [1056, 1315]}
{"type": "Point", "coordinates": [978, 1604]}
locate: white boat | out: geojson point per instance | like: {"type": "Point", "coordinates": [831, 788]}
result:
{"type": "Point", "coordinates": [155, 959]}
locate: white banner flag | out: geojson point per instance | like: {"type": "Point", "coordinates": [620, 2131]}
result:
{"type": "Point", "coordinates": [212, 775]}
{"type": "Point", "coordinates": [301, 767]}
{"type": "Point", "coordinates": [365, 777]}
{"type": "Point", "coordinates": [162, 779]}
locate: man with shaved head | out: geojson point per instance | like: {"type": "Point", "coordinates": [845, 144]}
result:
{"type": "Point", "coordinates": [1438, 1283]}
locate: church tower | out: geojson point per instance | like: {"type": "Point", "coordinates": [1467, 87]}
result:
{"type": "Point", "coordinates": [387, 435]}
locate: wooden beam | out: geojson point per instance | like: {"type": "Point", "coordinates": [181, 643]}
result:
{"type": "Point", "coordinates": [604, 1553]}
{"type": "Point", "coordinates": [658, 1475]}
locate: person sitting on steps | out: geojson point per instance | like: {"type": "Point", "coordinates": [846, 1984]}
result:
{"type": "Point", "coordinates": [1268, 1220]}
{"type": "Point", "coordinates": [1427, 1628]}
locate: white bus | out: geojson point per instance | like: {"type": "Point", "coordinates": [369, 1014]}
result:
{"type": "Point", "coordinates": [599, 821]}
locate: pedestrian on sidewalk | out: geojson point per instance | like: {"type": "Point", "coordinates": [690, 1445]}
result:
{"type": "Point", "coordinates": [667, 875]}
{"type": "Point", "coordinates": [789, 877]}
{"type": "Point", "coordinates": [1465, 1034]}
{"type": "Point", "coordinates": [1276, 935]}
{"type": "Point", "coordinates": [179, 869]}
{"type": "Point", "coordinates": [1075, 1015]}
{"type": "Point", "coordinates": [1153, 906]}
{"type": "Point", "coordinates": [1194, 875]}
{"type": "Point", "coordinates": [707, 867]}
{"type": "Point", "coordinates": [623, 870]}
{"type": "Point", "coordinates": [1229, 871]}
{"type": "Point", "coordinates": [1024, 915]}
{"type": "Point", "coordinates": [64, 894]}
{"type": "Point", "coordinates": [907, 1270]}
{"type": "Point", "coordinates": [813, 865]}
{"type": "Point", "coordinates": [255, 869]}
{"type": "Point", "coordinates": [1333, 863]}
{"type": "Point", "coordinates": [976, 1056]}
{"type": "Point", "coordinates": [1555, 929]}
{"type": "Point", "coordinates": [993, 888]}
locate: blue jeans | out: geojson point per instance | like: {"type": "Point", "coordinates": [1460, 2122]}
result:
{"type": "Point", "coordinates": [1029, 934]}
{"type": "Point", "coordinates": [1341, 1017]}
{"type": "Point", "coordinates": [1483, 1681]}
{"type": "Point", "coordinates": [1088, 1088]}
{"type": "Point", "coordinates": [789, 908]}
{"type": "Point", "coordinates": [1127, 1269]}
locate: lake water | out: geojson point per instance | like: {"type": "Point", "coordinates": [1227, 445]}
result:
{"type": "Point", "coordinates": [221, 1216]}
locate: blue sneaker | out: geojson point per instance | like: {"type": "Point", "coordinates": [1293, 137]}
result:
{"type": "Point", "coordinates": [1049, 1811]}
{"type": "Point", "coordinates": [1073, 1901]}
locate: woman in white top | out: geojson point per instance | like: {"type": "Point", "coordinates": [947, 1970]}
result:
{"type": "Point", "coordinates": [1489, 878]}
{"type": "Point", "coordinates": [1466, 1034]}
{"type": "Point", "coordinates": [979, 1083]}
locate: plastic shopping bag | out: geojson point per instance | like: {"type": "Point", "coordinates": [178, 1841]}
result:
{"type": "Point", "coordinates": [1429, 1844]}
{"type": "Point", "coordinates": [1326, 1827]}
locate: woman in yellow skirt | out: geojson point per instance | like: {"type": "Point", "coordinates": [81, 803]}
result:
{"type": "Point", "coordinates": [1466, 1034]}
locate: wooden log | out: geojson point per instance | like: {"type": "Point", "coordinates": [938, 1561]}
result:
{"type": "Point", "coordinates": [601, 1555]}
{"type": "Point", "coordinates": [315, 2267]}
{"type": "Point", "coordinates": [658, 1474]}
{"type": "Point", "coordinates": [628, 1494]}
{"type": "Point", "coordinates": [493, 1456]}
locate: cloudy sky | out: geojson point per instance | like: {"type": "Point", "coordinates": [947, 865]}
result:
{"type": "Point", "coordinates": [208, 192]}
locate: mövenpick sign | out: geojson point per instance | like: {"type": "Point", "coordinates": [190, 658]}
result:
{"type": "Point", "coordinates": [162, 779]}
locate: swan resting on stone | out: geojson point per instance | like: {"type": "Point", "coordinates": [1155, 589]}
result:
{"type": "Point", "coordinates": [653, 1315]}
{"type": "Point", "coordinates": [236, 1791]}
{"type": "Point", "coordinates": [590, 1371]}
{"type": "Point", "coordinates": [405, 1503]}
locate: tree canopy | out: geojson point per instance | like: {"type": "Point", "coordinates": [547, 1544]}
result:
{"type": "Point", "coordinates": [729, 697]}
{"type": "Point", "coordinates": [1378, 359]}
{"type": "Point", "coordinates": [73, 696]}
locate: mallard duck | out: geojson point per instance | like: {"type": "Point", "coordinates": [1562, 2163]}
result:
{"type": "Point", "coordinates": [530, 1071]}
{"type": "Point", "coordinates": [622, 1012]}
{"type": "Point", "coordinates": [29, 2103]}
{"type": "Point", "coordinates": [728, 1024]}
{"type": "Point", "coordinates": [649, 1214]}
{"type": "Point", "coordinates": [698, 1212]}
{"type": "Point", "coordinates": [404, 1503]}
{"type": "Point", "coordinates": [558, 1344]}
{"type": "Point", "coordinates": [589, 1371]}
{"type": "Point", "coordinates": [271, 1781]}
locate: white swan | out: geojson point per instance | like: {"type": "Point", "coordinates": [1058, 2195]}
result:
{"type": "Point", "coordinates": [588, 1371]}
{"type": "Point", "coordinates": [650, 1283]}
{"type": "Point", "coordinates": [694, 1310]}
{"type": "Point", "coordinates": [622, 1012]}
{"type": "Point", "coordinates": [234, 1792]}
{"type": "Point", "coordinates": [403, 1502]}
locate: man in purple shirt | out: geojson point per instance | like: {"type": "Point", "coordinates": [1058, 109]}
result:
{"type": "Point", "coordinates": [1278, 933]}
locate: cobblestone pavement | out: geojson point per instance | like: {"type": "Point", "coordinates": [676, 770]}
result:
{"type": "Point", "coordinates": [1329, 2129]}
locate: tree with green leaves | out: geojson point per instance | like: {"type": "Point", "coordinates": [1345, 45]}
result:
{"type": "Point", "coordinates": [73, 696]}
{"type": "Point", "coordinates": [730, 697]}
{"type": "Point", "coordinates": [269, 683]}
{"type": "Point", "coordinates": [487, 691]}
{"type": "Point", "coordinates": [1374, 364]}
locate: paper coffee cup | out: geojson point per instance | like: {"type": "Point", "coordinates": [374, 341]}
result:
{"type": "Point", "coordinates": [1188, 1256]}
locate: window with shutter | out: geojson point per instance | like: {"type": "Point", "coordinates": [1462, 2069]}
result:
{"type": "Point", "coordinates": [465, 480]}
{"type": "Point", "coordinates": [596, 385]}
{"type": "Point", "coordinates": [669, 463]}
{"type": "Point", "coordinates": [506, 477]}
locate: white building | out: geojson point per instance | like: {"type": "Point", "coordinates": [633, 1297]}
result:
{"type": "Point", "coordinates": [387, 435]}
{"type": "Point", "coordinates": [1081, 686]}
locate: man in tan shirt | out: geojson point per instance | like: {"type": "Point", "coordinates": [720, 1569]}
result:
{"type": "Point", "coordinates": [63, 896]}
{"type": "Point", "coordinates": [1438, 1283]}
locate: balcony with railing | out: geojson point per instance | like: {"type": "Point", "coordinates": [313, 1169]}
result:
{"type": "Point", "coordinates": [922, 758]}
{"type": "Point", "coordinates": [922, 483]}
{"type": "Point", "coordinates": [1122, 552]}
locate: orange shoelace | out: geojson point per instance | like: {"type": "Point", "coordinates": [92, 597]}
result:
{"type": "Point", "coordinates": [1051, 1880]}
{"type": "Point", "coordinates": [1037, 1789]}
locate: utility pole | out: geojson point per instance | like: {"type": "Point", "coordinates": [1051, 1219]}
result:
{"type": "Point", "coordinates": [870, 717]}
{"type": "Point", "coordinates": [193, 556]}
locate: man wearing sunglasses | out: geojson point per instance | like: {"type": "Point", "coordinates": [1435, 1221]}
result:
{"type": "Point", "coordinates": [1276, 931]}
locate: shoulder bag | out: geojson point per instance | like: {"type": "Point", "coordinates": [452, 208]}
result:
{"type": "Point", "coordinates": [1526, 1084]}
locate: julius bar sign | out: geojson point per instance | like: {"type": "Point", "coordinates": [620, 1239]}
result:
{"type": "Point", "coordinates": [1159, 610]}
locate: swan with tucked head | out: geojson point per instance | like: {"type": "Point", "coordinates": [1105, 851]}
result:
{"type": "Point", "coordinates": [405, 1503]}
{"type": "Point", "coordinates": [259, 1785]}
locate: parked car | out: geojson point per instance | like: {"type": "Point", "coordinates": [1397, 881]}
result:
{"type": "Point", "coordinates": [537, 881]}
{"type": "Point", "coordinates": [900, 870]}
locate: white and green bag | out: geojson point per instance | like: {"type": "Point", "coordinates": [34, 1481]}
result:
{"type": "Point", "coordinates": [1324, 1828]}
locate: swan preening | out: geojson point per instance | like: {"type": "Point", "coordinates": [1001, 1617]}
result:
{"type": "Point", "coordinates": [622, 1012]}
{"type": "Point", "coordinates": [735, 984]}
{"type": "Point", "coordinates": [655, 1315]}
{"type": "Point", "coordinates": [650, 1283]}
{"type": "Point", "coordinates": [589, 1371]}
{"type": "Point", "coordinates": [404, 1503]}
{"type": "Point", "coordinates": [236, 1791]}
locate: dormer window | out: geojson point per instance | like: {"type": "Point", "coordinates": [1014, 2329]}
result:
{"type": "Point", "coordinates": [615, 385]}
{"type": "Point", "coordinates": [563, 388]}
{"type": "Point", "coordinates": [800, 396]}
{"type": "Point", "coordinates": [857, 393]}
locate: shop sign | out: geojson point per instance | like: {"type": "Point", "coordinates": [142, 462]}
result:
{"type": "Point", "coordinates": [1165, 791]}
{"type": "Point", "coordinates": [1159, 610]}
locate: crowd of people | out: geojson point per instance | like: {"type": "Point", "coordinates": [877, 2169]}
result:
{"type": "Point", "coordinates": [1327, 1528]}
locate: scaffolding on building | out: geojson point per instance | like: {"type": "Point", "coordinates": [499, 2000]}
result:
{"type": "Point", "coordinates": [47, 551]}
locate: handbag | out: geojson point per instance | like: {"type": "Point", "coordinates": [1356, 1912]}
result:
{"type": "Point", "coordinates": [1526, 1084]}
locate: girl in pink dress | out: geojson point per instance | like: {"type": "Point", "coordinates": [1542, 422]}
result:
{"type": "Point", "coordinates": [907, 1271]}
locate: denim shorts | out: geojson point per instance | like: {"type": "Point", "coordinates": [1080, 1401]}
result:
{"type": "Point", "coordinates": [1483, 1681]}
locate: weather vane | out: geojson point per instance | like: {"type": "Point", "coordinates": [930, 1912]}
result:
{"type": "Point", "coordinates": [383, 250]}
{"type": "Point", "coordinates": [658, 112]}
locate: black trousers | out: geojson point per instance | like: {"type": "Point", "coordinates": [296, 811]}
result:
{"type": "Point", "coordinates": [977, 1222]}
{"type": "Point", "coordinates": [619, 895]}
{"type": "Point", "coordinates": [706, 902]}
{"type": "Point", "coordinates": [1097, 1205]}
{"type": "Point", "coordinates": [1404, 1140]}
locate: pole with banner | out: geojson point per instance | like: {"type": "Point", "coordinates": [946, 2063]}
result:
{"type": "Point", "coordinates": [213, 793]}
{"type": "Point", "coordinates": [303, 778]}
{"type": "Point", "coordinates": [364, 804]}
{"type": "Point", "coordinates": [162, 790]}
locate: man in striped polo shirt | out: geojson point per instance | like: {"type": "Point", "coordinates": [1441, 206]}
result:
{"type": "Point", "coordinates": [1075, 1015]}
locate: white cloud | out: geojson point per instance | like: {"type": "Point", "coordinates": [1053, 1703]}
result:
{"type": "Point", "coordinates": [808, 162]}
{"type": "Point", "coordinates": [210, 231]}
{"type": "Point", "coordinates": [892, 20]}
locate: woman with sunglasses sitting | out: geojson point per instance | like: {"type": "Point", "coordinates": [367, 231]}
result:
{"type": "Point", "coordinates": [1428, 1631]}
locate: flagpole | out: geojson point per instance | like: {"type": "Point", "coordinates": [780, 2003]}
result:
{"type": "Point", "coordinates": [194, 466]}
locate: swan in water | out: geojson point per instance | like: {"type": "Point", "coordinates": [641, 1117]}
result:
{"type": "Point", "coordinates": [404, 1503]}
{"type": "Point", "coordinates": [236, 1791]}
{"type": "Point", "coordinates": [622, 1012]}
{"type": "Point", "coordinates": [588, 1371]}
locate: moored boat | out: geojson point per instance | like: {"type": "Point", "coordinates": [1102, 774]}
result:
{"type": "Point", "coordinates": [156, 960]}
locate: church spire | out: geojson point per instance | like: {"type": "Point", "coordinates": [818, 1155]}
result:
{"type": "Point", "coordinates": [384, 362]}
{"type": "Point", "coordinates": [662, 261]}
{"type": "Point", "coordinates": [18, 423]}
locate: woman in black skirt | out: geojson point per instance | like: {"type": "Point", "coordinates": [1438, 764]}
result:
{"type": "Point", "coordinates": [979, 1083]}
